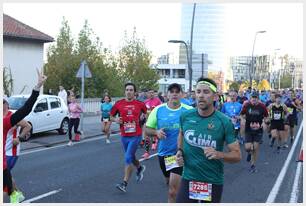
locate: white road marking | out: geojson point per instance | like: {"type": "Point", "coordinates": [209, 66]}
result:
{"type": "Point", "coordinates": [272, 196]}
{"type": "Point", "coordinates": [65, 144]}
{"type": "Point", "coordinates": [153, 155]}
{"type": "Point", "coordinates": [42, 196]}
{"type": "Point", "coordinates": [295, 189]}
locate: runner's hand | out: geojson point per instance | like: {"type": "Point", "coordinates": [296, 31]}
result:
{"type": "Point", "coordinates": [15, 141]}
{"type": "Point", "coordinates": [211, 153]}
{"type": "Point", "coordinates": [40, 80]}
{"type": "Point", "coordinates": [179, 158]}
{"type": "Point", "coordinates": [161, 134]}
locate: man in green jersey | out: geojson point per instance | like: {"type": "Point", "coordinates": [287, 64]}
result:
{"type": "Point", "coordinates": [202, 135]}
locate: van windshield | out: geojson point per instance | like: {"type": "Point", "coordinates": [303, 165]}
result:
{"type": "Point", "coordinates": [16, 102]}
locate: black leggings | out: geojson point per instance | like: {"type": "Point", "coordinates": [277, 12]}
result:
{"type": "Point", "coordinates": [183, 193]}
{"type": "Point", "coordinates": [73, 122]}
{"type": "Point", "coordinates": [7, 181]}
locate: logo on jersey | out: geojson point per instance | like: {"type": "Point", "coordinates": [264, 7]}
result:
{"type": "Point", "coordinates": [210, 126]}
{"type": "Point", "coordinates": [202, 140]}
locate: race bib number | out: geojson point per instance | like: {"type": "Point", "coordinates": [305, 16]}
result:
{"type": "Point", "coordinates": [200, 191]}
{"type": "Point", "coordinates": [105, 119]}
{"type": "Point", "coordinates": [277, 116]}
{"type": "Point", "coordinates": [290, 110]}
{"type": "Point", "coordinates": [129, 127]}
{"type": "Point", "coordinates": [170, 162]}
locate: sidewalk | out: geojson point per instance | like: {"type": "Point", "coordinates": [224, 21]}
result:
{"type": "Point", "coordinates": [91, 128]}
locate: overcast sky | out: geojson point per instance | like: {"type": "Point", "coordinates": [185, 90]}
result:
{"type": "Point", "coordinates": [159, 22]}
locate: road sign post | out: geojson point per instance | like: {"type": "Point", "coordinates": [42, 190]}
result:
{"type": "Point", "coordinates": [83, 73]}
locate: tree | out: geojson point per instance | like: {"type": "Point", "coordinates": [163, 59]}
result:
{"type": "Point", "coordinates": [285, 81]}
{"type": "Point", "coordinates": [64, 60]}
{"type": "Point", "coordinates": [61, 61]}
{"type": "Point", "coordinates": [7, 81]}
{"type": "Point", "coordinates": [234, 86]}
{"type": "Point", "coordinates": [264, 85]}
{"type": "Point", "coordinates": [134, 63]}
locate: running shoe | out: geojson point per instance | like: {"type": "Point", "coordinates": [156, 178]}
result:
{"type": "Point", "coordinates": [278, 149]}
{"type": "Point", "coordinates": [252, 169]}
{"type": "Point", "coordinates": [139, 173]}
{"type": "Point", "coordinates": [248, 157]}
{"type": "Point", "coordinates": [121, 186]}
{"type": "Point", "coordinates": [69, 143]}
{"type": "Point", "coordinates": [154, 146]}
{"type": "Point", "coordinates": [291, 140]}
{"type": "Point", "coordinates": [20, 196]}
{"type": "Point", "coordinates": [272, 142]}
{"type": "Point", "coordinates": [108, 141]}
{"type": "Point", "coordinates": [285, 146]}
{"type": "Point", "coordinates": [146, 155]}
{"type": "Point", "coordinates": [14, 197]}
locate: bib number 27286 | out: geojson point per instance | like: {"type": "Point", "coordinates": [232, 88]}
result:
{"type": "Point", "coordinates": [200, 191]}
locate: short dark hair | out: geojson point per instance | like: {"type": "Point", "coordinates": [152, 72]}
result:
{"type": "Point", "coordinates": [130, 84]}
{"type": "Point", "coordinates": [207, 80]}
{"type": "Point", "coordinates": [175, 85]}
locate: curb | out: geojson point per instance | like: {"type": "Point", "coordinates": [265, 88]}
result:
{"type": "Point", "coordinates": [65, 141]}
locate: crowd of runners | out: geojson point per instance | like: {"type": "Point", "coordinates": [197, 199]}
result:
{"type": "Point", "coordinates": [188, 132]}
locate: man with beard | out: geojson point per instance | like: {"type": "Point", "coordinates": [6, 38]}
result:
{"type": "Point", "coordinates": [203, 133]}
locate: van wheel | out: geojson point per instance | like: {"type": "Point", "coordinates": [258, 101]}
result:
{"type": "Point", "coordinates": [64, 127]}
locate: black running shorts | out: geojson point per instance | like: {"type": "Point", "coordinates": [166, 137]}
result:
{"type": "Point", "coordinates": [291, 121]}
{"type": "Point", "coordinates": [253, 136]}
{"type": "Point", "coordinates": [183, 193]}
{"type": "Point", "coordinates": [178, 170]}
{"type": "Point", "coordinates": [278, 125]}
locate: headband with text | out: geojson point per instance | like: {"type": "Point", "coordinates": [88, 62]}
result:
{"type": "Point", "coordinates": [210, 85]}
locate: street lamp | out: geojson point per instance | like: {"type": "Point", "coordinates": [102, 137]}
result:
{"type": "Point", "coordinates": [252, 70]}
{"type": "Point", "coordinates": [188, 60]}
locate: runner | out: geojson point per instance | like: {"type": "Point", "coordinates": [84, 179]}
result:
{"type": "Point", "coordinates": [203, 132]}
{"type": "Point", "coordinates": [8, 122]}
{"type": "Point", "coordinates": [105, 108]}
{"type": "Point", "coordinates": [12, 148]}
{"type": "Point", "coordinates": [293, 105]}
{"type": "Point", "coordinates": [268, 127]}
{"type": "Point", "coordinates": [232, 109]}
{"type": "Point", "coordinates": [129, 110]}
{"type": "Point", "coordinates": [75, 111]}
{"type": "Point", "coordinates": [253, 112]}
{"type": "Point", "coordinates": [163, 122]}
{"type": "Point", "coordinates": [151, 102]}
{"type": "Point", "coordinates": [277, 113]}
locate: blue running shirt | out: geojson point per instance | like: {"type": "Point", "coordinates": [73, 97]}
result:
{"type": "Point", "coordinates": [164, 117]}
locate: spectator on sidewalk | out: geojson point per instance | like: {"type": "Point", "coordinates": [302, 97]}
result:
{"type": "Point", "coordinates": [63, 94]}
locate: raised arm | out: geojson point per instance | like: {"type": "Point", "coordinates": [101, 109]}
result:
{"type": "Point", "coordinates": [27, 107]}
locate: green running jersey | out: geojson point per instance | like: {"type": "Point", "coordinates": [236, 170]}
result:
{"type": "Point", "coordinates": [200, 132]}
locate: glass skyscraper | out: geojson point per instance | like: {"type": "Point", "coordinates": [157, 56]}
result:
{"type": "Point", "coordinates": [208, 34]}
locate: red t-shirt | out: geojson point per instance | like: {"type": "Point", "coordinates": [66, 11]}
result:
{"type": "Point", "coordinates": [152, 103]}
{"type": "Point", "coordinates": [130, 113]}
{"type": "Point", "coordinates": [6, 127]}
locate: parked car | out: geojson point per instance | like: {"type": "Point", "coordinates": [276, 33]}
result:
{"type": "Point", "coordinates": [48, 113]}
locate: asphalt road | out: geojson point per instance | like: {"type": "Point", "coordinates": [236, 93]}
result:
{"type": "Point", "coordinates": [88, 172]}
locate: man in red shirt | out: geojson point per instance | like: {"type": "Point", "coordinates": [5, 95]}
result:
{"type": "Point", "coordinates": [129, 110]}
{"type": "Point", "coordinates": [255, 113]}
{"type": "Point", "coordinates": [151, 102]}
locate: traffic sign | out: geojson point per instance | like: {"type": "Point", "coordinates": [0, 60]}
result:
{"type": "Point", "coordinates": [87, 73]}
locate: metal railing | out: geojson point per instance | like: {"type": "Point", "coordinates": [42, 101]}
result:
{"type": "Point", "coordinates": [92, 105]}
